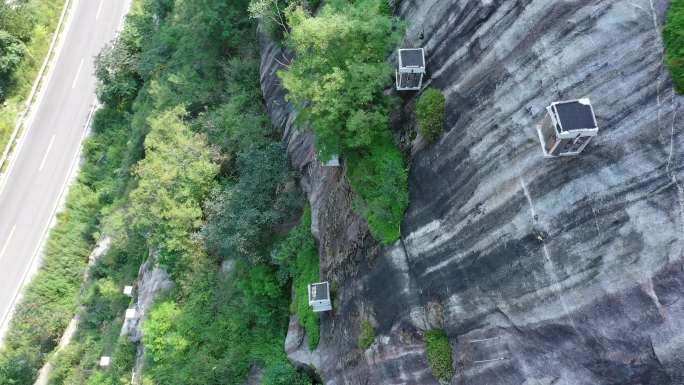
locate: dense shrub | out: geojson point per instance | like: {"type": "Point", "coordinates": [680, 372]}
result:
{"type": "Point", "coordinates": [297, 257]}
{"type": "Point", "coordinates": [223, 325]}
{"type": "Point", "coordinates": [11, 52]}
{"type": "Point", "coordinates": [284, 374]}
{"type": "Point", "coordinates": [117, 69]}
{"type": "Point", "coordinates": [367, 335]}
{"type": "Point", "coordinates": [272, 14]}
{"type": "Point", "coordinates": [673, 34]}
{"type": "Point", "coordinates": [439, 355]}
{"type": "Point", "coordinates": [16, 22]}
{"type": "Point", "coordinates": [174, 178]}
{"type": "Point", "coordinates": [337, 80]}
{"type": "Point", "coordinates": [430, 114]}
{"type": "Point", "coordinates": [242, 216]}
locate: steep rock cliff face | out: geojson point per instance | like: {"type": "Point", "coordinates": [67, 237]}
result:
{"type": "Point", "coordinates": [563, 271]}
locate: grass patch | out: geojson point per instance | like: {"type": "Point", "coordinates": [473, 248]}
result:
{"type": "Point", "coordinates": [367, 335]}
{"type": "Point", "coordinates": [439, 354]}
{"type": "Point", "coordinates": [380, 179]}
{"type": "Point", "coordinates": [45, 14]}
{"type": "Point", "coordinates": [673, 35]}
{"type": "Point", "coordinates": [430, 114]}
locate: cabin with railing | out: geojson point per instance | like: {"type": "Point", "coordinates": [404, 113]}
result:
{"type": "Point", "coordinates": [567, 128]}
{"type": "Point", "coordinates": [319, 297]}
{"type": "Point", "coordinates": [409, 74]}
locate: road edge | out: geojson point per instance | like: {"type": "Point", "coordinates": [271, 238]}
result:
{"type": "Point", "coordinates": [74, 168]}
{"type": "Point", "coordinates": [36, 91]}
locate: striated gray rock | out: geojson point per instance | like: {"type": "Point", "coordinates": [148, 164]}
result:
{"type": "Point", "coordinates": [153, 281]}
{"type": "Point", "coordinates": [342, 234]}
{"type": "Point", "coordinates": [297, 348]}
{"type": "Point", "coordinates": [563, 271]}
{"type": "Point", "coordinates": [256, 375]}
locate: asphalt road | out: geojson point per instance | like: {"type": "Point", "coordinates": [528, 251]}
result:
{"type": "Point", "coordinates": [31, 191]}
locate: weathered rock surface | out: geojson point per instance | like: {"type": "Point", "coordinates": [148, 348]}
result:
{"type": "Point", "coordinates": [564, 271]}
{"type": "Point", "coordinates": [255, 376]}
{"type": "Point", "coordinates": [153, 281]}
{"type": "Point", "coordinates": [297, 348]}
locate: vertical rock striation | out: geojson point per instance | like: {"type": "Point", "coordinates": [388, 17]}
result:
{"type": "Point", "coordinates": [562, 271]}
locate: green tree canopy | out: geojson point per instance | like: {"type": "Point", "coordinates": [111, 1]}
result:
{"type": "Point", "coordinates": [241, 217]}
{"type": "Point", "coordinates": [175, 176]}
{"type": "Point", "coordinates": [337, 81]}
{"type": "Point", "coordinates": [12, 50]}
{"type": "Point", "coordinates": [340, 71]}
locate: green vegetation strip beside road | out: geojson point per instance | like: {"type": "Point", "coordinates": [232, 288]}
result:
{"type": "Point", "coordinates": [182, 163]}
{"type": "Point", "coordinates": [26, 29]}
{"type": "Point", "coordinates": [674, 43]}
{"type": "Point", "coordinates": [184, 168]}
{"type": "Point", "coordinates": [52, 297]}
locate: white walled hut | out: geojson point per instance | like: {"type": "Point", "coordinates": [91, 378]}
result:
{"type": "Point", "coordinates": [319, 296]}
{"type": "Point", "coordinates": [334, 161]}
{"type": "Point", "coordinates": [131, 314]}
{"type": "Point", "coordinates": [105, 361]}
{"type": "Point", "coordinates": [128, 291]}
{"type": "Point", "coordinates": [567, 128]}
{"type": "Point", "coordinates": [409, 74]}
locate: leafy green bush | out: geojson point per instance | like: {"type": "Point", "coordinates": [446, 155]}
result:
{"type": "Point", "coordinates": [367, 335]}
{"type": "Point", "coordinates": [163, 341]}
{"type": "Point", "coordinates": [337, 81]}
{"type": "Point", "coordinates": [116, 69]}
{"type": "Point", "coordinates": [430, 114]}
{"type": "Point", "coordinates": [297, 258]}
{"type": "Point", "coordinates": [673, 35]}
{"type": "Point", "coordinates": [439, 355]}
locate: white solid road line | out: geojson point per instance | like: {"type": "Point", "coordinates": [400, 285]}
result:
{"type": "Point", "coordinates": [7, 242]}
{"type": "Point", "coordinates": [80, 66]}
{"type": "Point", "coordinates": [99, 9]}
{"type": "Point", "coordinates": [42, 163]}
